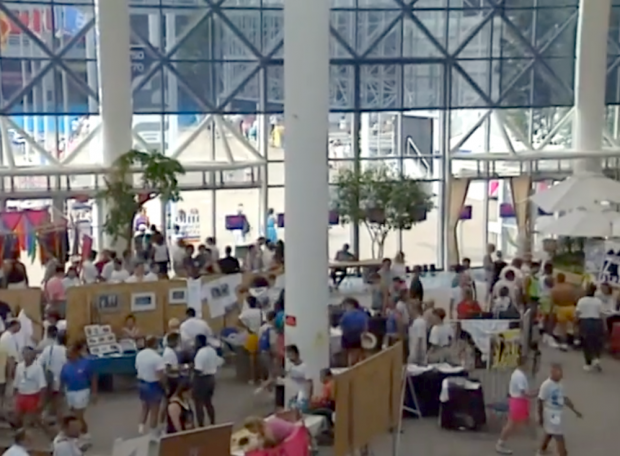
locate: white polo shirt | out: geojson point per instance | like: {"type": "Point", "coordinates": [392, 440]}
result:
{"type": "Point", "coordinates": [106, 271]}
{"type": "Point", "coordinates": [170, 358]}
{"type": "Point", "coordinates": [207, 361]}
{"type": "Point", "coordinates": [193, 327]}
{"type": "Point", "coordinates": [29, 379]}
{"type": "Point", "coordinates": [150, 277]}
{"type": "Point", "coordinates": [149, 365]}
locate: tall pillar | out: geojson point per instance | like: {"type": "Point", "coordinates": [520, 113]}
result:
{"type": "Point", "coordinates": [590, 80]}
{"type": "Point", "coordinates": [114, 71]}
{"type": "Point", "coordinates": [306, 108]}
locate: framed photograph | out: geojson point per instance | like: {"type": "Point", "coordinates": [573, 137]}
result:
{"type": "Point", "coordinates": [92, 341]}
{"type": "Point", "coordinates": [109, 338]}
{"type": "Point", "coordinates": [106, 329]}
{"type": "Point", "coordinates": [96, 351]}
{"type": "Point", "coordinates": [107, 303]}
{"type": "Point", "coordinates": [177, 296]}
{"type": "Point", "coordinates": [141, 302]}
{"type": "Point", "coordinates": [91, 331]}
{"type": "Point", "coordinates": [115, 348]}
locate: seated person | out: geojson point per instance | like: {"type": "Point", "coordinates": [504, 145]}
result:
{"type": "Point", "coordinates": [131, 331]}
{"type": "Point", "coordinates": [468, 307]}
{"type": "Point", "coordinates": [339, 274]}
{"type": "Point", "coordinates": [270, 432]}
{"type": "Point", "coordinates": [503, 305]}
{"type": "Point", "coordinates": [324, 405]}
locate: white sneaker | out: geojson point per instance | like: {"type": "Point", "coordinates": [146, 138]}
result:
{"type": "Point", "coordinates": [140, 428]}
{"type": "Point", "coordinates": [502, 449]}
{"type": "Point", "coordinates": [587, 368]}
{"type": "Point", "coordinates": [564, 347]}
{"type": "Point", "coordinates": [597, 364]}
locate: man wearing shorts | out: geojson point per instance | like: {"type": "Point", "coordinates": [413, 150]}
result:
{"type": "Point", "coordinates": [551, 402]}
{"type": "Point", "coordinates": [29, 386]}
{"type": "Point", "coordinates": [563, 299]}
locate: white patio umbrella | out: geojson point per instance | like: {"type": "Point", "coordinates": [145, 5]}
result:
{"type": "Point", "coordinates": [579, 191]}
{"type": "Point", "coordinates": [583, 223]}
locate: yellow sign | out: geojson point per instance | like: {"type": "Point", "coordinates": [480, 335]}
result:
{"type": "Point", "coordinates": [505, 349]}
{"type": "Point", "coordinates": [5, 29]}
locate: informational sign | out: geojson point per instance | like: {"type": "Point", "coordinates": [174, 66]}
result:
{"type": "Point", "coordinates": [141, 60]}
{"type": "Point", "coordinates": [107, 303]}
{"type": "Point", "coordinates": [603, 261]}
{"type": "Point", "coordinates": [505, 349]}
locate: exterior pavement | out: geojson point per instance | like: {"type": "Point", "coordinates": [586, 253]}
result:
{"type": "Point", "coordinates": [596, 395]}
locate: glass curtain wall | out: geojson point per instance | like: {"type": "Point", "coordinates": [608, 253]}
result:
{"type": "Point", "coordinates": [460, 76]}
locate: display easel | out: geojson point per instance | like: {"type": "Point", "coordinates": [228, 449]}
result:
{"type": "Point", "coordinates": [408, 383]}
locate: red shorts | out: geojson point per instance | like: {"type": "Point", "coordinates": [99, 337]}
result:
{"type": "Point", "coordinates": [27, 403]}
{"type": "Point", "coordinates": [519, 409]}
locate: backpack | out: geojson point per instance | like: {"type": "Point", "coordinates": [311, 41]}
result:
{"type": "Point", "coordinates": [264, 342]}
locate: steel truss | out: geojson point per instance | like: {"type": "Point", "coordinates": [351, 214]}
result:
{"type": "Point", "coordinates": [216, 57]}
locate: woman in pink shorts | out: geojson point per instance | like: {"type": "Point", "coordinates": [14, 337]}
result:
{"type": "Point", "coordinates": [518, 406]}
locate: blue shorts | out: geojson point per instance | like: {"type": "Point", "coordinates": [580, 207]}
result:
{"type": "Point", "coordinates": [151, 392]}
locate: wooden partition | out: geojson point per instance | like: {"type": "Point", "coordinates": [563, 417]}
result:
{"type": "Point", "coordinates": [28, 299]}
{"type": "Point", "coordinates": [111, 303]}
{"type": "Point", "coordinates": [364, 411]}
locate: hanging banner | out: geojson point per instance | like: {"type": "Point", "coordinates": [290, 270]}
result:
{"type": "Point", "coordinates": [505, 349]}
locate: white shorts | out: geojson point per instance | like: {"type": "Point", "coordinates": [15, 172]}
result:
{"type": "Point", "coordinates": [552, 422]}
{"type": "Point", "coordinates": [78, 400]}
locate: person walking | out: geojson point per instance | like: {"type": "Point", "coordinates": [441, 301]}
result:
{"type": "Point", "coordinates": [551, 403]}
{"type": "Point", "coordinates": [590, 317]}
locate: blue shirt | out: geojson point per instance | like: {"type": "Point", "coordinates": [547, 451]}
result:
{"type": "Point", "coordinates": [354, 321]}
{"type": "Point", "coordinates": [76, 375]}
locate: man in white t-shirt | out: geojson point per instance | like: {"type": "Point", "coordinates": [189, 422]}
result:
{"type": "Point", "coordinates": [298, 378]}
{"type": "Point", "coordinates": [590, 314]}
{"type": "Point", "coordinates": [551, 402]}
{"type": "Point", "coordinates": [150, 370]}
{"type": "Point", "coordinates": [192, 327]}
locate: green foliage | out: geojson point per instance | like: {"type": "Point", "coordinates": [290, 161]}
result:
{"type": "Point", "coordinates": [124, 199]}
{"type": "Point", "coordinates": [381, 200]}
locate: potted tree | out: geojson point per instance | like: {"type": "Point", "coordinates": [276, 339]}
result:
{"type": "Point", "coordinates": [381, 200]}
{"type": "Point", "coordinates": [124, 197]}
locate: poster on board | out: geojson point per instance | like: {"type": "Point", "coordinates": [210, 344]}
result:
{"type": "Point", "coordinates": [221, 293]}
{"type": "Point", "coordinates": [505, 349]}
{"type": "Point", "coordinates": [194, 295]}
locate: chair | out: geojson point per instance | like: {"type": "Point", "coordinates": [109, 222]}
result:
{"type": "Point", "coordinates": [614, 339]}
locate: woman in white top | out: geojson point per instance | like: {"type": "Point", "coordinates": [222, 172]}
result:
{"type": "Point", "coordinates": [161, 256]}
{"type": "Point", "coordinates": [590, 315]}
{"type": "Point", "coordinates": [206, 364]}
{"type": "Point", "coordinates": [150, 368]}
{"type": "Point", "coordinates": [518, 405]}
{"type": "Point", "coordinates": [398, 266]}
{"type": "Point", "coordinates": [71, 279]}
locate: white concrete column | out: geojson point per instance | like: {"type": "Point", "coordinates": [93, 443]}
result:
{"type": "Point", "coordinates": [590, 80]}
{"type": "Point", "coordinates": [114, 71]}
{"type": "Point", "coordinates": [306, 107]}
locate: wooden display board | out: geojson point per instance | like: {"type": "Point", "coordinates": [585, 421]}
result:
{"type": "Point", "coordinates": [364, 411]}
{"type": "Point", "coordinates": [28, 299]}
{"type": "Point", "coordinates": [109, 304]}
{"type": "Point", "coordinates": [210, 441]}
